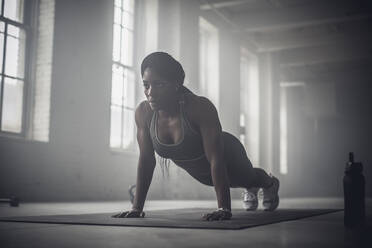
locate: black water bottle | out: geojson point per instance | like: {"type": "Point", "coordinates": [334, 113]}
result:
{"type": "Point", "coordinates": [354, 183]}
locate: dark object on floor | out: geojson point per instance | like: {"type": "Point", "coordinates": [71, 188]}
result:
{"type": "Point", "coordinates": [354, 194]}
{"type": "Point", "coordinates": [13, 201]}
{"type": "Point", "coordinates": [178, 218]}
{"type": "Point", "coordinates": [131, 192]}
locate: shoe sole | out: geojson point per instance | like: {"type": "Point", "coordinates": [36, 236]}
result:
{"type": "Point", "coordinates": [253, 208]}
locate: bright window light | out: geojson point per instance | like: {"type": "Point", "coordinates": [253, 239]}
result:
{"type": "Point", "coordinates": [12, 76]}
{"type": "Point", "coordinates": [208, 61]}
{"type": "Point", "coordinates": [123, 78]}
{"type": "Point", "coordinates": [283, 115]}
{"type": "Point", "coordinates": [283, 132]}
{"type": "Point", "coordinates": [249, 105]}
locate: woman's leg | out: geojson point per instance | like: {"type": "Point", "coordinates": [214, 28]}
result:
{"type": "Point", "coordinates": [242, 174]}
{"type": "Point", "coordinates": [239, 167]}
{"type": "Point", "coordinates": [263, 180]}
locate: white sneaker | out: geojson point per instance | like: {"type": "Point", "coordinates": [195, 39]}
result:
{"type": "Point", "coordinates": [250, 200]}
{"type": "Point", "coordinates": [271, 197]}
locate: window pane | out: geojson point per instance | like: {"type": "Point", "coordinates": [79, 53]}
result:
{"type": "Point", "coordinates": [128, 20]}
{"type": "Point", "coordinates": [129, 5]}
{"type": "Point", "coordinates": [13, 31]}
{"type": "Point", "coordinates": [15, 54]}
{"type": "Point", "coordinates": [116, 43]}
{"type": "Point", "coordinates": [12, 105]}
{"type": "Point", "coordinates": [129, 91]}
{"type": "Point", "coordinates": [127, 47]}
{"type": "Point", "coordinates": [115, 137]}
{"type": "Point", "coordinates": [123, 77]}
{"type": "Point", "coordinates": [117, 85]}
{"type": "Point", "coordinates": [13, 9]}
{"type": "Point", "coordinates": [128, 134]}
{"type": "Point", "coordinates": [117, 16]}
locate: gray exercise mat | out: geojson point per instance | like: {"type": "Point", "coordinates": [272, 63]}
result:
{"type": "Point", "coordinates": [177, 218]}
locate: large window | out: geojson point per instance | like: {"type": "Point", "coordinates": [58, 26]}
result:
{"type": "Point", "coordinates": [123, 76]}
{"type": "Point", "coordinates": [208, 61]}
{"type": "Point", "coordinates": [13, 33]}
{"type": "Point", "coordinates": [24, 60]}
{"type": "Point", "coordinates": [249, 105]}
{"type": "Point", "coordinates": [283, 169]}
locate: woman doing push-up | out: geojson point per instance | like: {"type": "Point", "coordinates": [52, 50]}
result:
{"type": "Point", "coordinates": [185, 128]}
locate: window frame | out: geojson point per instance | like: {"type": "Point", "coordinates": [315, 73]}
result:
{"type": "Point", "coordinates": [27, 25]}
{"type": "Point", "coordinates": [131, 148]}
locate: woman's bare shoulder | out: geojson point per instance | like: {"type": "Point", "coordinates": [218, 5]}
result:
{"type": "Point", "coordinates": [143, 113]}
{"type": "Point", "coordinates": [196, 102]}
{"type": "Point", "coordinates": [197, 106]}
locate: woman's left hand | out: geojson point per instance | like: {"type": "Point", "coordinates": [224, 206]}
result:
{"type": "Point", "coordinates": [218, 214]}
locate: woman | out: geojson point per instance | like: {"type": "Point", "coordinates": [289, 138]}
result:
{"type": "Point", "coordinates": [185, 128]}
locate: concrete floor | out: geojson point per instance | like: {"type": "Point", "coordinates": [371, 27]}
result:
{"type": "Point", "coordinates": [320, 231]}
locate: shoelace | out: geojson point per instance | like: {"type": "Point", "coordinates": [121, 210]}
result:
{"type": "Point", "coordinates": [249, 196]}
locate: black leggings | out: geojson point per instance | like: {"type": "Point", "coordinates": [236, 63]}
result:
{"type": "Point", "coordinates": [239, 169]}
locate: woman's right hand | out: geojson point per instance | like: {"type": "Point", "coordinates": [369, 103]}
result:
{"type": "Point", "coordinates": [130, 214]}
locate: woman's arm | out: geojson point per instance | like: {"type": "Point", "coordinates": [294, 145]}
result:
{"type": "Point", "coordinates": [211, 131]}
{"type": "Point", "coordinates": [146, 162]}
